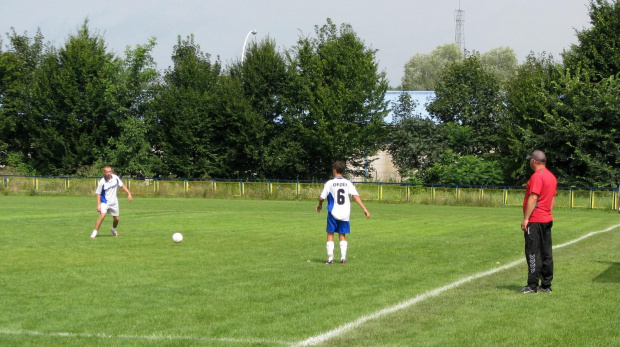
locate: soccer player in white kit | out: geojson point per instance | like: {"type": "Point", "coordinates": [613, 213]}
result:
{"type": "Point", "coordinates": [107, 202]}
{"type": "Point", "coordinates": [337, 191]}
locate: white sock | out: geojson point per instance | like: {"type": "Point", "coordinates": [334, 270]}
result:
{"type": "Point", "coordinates": [113, 230]}
{"type": "Point", "coordinates": [330, 250]}
{"type": "Point", "coordinates": [343, 249]}
{"type": "Point", "coordinates": [94, 233]}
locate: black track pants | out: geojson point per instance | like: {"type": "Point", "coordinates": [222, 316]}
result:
{"type": "Point", "coordinates": [538, 253]}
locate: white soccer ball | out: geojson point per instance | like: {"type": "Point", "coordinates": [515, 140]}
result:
{"type": "Point", "coordinates": [177, 237]}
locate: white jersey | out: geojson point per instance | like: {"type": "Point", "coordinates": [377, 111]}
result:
{"type": "Point", "coordinates": [337, 192]}
{"type": "Point", "coordinates": [107, 189]}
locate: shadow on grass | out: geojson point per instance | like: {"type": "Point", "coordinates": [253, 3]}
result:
{"type": "Point", "coordinates": [611, 275]}
{"type": "Point", "coordinates": [511, 288]}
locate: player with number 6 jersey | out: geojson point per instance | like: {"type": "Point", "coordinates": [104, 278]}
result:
{"type": "Point", "coordinates": [337, 192]}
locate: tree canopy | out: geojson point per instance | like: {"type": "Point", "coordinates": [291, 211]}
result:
{"type": "Point", "coordinates": [288, 115]}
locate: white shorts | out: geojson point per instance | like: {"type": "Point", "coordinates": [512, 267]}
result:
{"type": "Point", "coordinates": [112, 210]}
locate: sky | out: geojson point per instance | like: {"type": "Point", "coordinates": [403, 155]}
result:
{"type": "Point", "coordinates": [397, 29]}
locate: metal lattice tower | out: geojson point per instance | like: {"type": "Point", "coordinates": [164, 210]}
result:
{"type": "Point", "coordinates": [459, 34]}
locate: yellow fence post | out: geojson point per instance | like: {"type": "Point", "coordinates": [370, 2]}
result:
{"type": "Point", "coordinates": [407, 192]}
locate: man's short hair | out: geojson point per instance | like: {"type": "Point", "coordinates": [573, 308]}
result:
{"type": "Point", "coordinates": [339, 167]}
{"type": "Point", "coordinates": [538, 155]}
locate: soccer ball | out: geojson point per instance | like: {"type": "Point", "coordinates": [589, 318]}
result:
{"type": "Point", "coordinates": [177, 237]}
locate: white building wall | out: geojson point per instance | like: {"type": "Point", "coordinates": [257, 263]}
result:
{"type": "Point", "coordinates": [382, 169]}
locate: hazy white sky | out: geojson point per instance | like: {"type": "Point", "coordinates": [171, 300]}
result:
{"type": "Point", "coordinates": [398, 29]}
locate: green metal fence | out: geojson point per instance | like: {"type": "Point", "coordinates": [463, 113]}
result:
{"type": "Point", "coordinates": [592, 198]}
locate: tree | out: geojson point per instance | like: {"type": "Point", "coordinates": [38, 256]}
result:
{"type": "Point", "coordinates": [468, 95]}
{"type": "Point", "coordinates": [18, 66]}
{"type": "Point", "coordinates": [529, 98]}
{"type": "Point", "coordinates": [501, 62]}
{"type": "Point", "coordinates": [598, 49]}
{"type": "Point", "coordinates": [422, 71]}
{"type": "Point", "coordinates": [413, 142]}
{"type": "Point", "coordinates": [464, 170]}
{"type": "Point", "coordinates": [75, 105]}
{"type": "Point", "coordinates": [131, 152]}
{"type": "Point", "coordinates": [182, 114]}
{"type": "Point", "coordinates": [336, 107]}
{"type": "Point", "coordinates": [264, 80]}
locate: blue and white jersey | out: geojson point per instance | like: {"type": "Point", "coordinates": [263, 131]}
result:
{"type": "Point", "coordinates": [337, 192]}
{"type": "Point", "coordinates": [107, 189]}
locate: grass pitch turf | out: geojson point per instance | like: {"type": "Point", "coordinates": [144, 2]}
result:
{"type": "Point", "coordinates": [251, 273]}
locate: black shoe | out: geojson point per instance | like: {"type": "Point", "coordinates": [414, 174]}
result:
{"type": "Point", "coordinates": [343, 261]}
{"type": "Point", "coordinates": [528, 290]}
{"type": "Point", "coordinates": [329, 262]}
{"type": "Point", "coordinates": [545, 289]}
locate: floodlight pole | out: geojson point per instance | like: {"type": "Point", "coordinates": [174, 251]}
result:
{"type": "Point", "coordinates": [253, 32]}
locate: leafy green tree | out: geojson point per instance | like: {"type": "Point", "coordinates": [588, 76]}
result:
{"type": "Point", "coordinates": [469, 95]}
{"type": "Point", "coordinates": [182, 114]}
{"type": "Point", "coordinates": [265, 81]}
{"type": "Point", "coordinates": [598, 49]}
{"type": "Point", "coordinates": [422, 71]}
{"type": "Point", "coordinates": [414, 143]}
{"type": "Point", "coordinates": [18, 66]}
{"type": "Point", "coordinates": [77, 104]}
{"type": "Point", "coordinates": [583, 139]}
{"type": "Point", "coordinates": [529, 98]}
{"type": "Point", "coordinates": [131, 152]}
{"type": "Point", "coordinates": [336, 107]}
{"type": "Point", "coordinates": [501, 62]}
{"type": "Point", "coordinates": [464, 170]}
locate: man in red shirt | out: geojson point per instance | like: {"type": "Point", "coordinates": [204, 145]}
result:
{"type": "Point", "coordinates": [537, 221]}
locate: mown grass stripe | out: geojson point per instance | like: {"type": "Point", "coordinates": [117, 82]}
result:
{"type": "Point", "coordinates": [435, 292]}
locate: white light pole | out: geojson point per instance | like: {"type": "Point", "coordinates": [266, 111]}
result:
{"type": "Point", "coordinates": [253, 32]}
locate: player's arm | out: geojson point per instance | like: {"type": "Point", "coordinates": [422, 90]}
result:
{"type": "Point", "coordinates": [529, 208]}
{"type": "Point", "coordinates": [359, 202]}
{"type": "Point", "coordinates": [319, 207]}
{"type": "Point", "coordinates": [128, 193]}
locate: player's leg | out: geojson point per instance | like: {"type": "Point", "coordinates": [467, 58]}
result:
{"type": "Point", "coordinates": [330, 248]}
{"type": "Point", "coordinates": [532, 255]}
{"type": "Point", "coordinates": [344, 228]}
{"type": "Point", "coordinates": [98, 224]}
{"type": "Point", "coordinates": [546, 249]}
{"type": "Point", "coordinates": [114, 225]}
{"type": "Point", "coordinates": [114, 212]}
{"type": "Point", "coordinates": [331, 229]}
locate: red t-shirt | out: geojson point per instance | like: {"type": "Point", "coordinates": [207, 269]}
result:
{"type": "Point", "coordinates": [544, 184]}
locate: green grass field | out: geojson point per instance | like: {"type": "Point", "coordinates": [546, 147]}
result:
{"type": "Point", "coordinates": [251, 272]}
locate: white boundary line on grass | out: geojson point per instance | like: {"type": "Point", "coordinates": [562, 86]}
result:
{"type": "Point", "coordinates": [312, 340]}
{"type": "Point", "coordinates": [405, 304]}
{"type": "Point", "coordinates": [141, 337]}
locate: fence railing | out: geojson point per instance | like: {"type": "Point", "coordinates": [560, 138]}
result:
{"type": "Point", "coordinates": [572, 197]}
